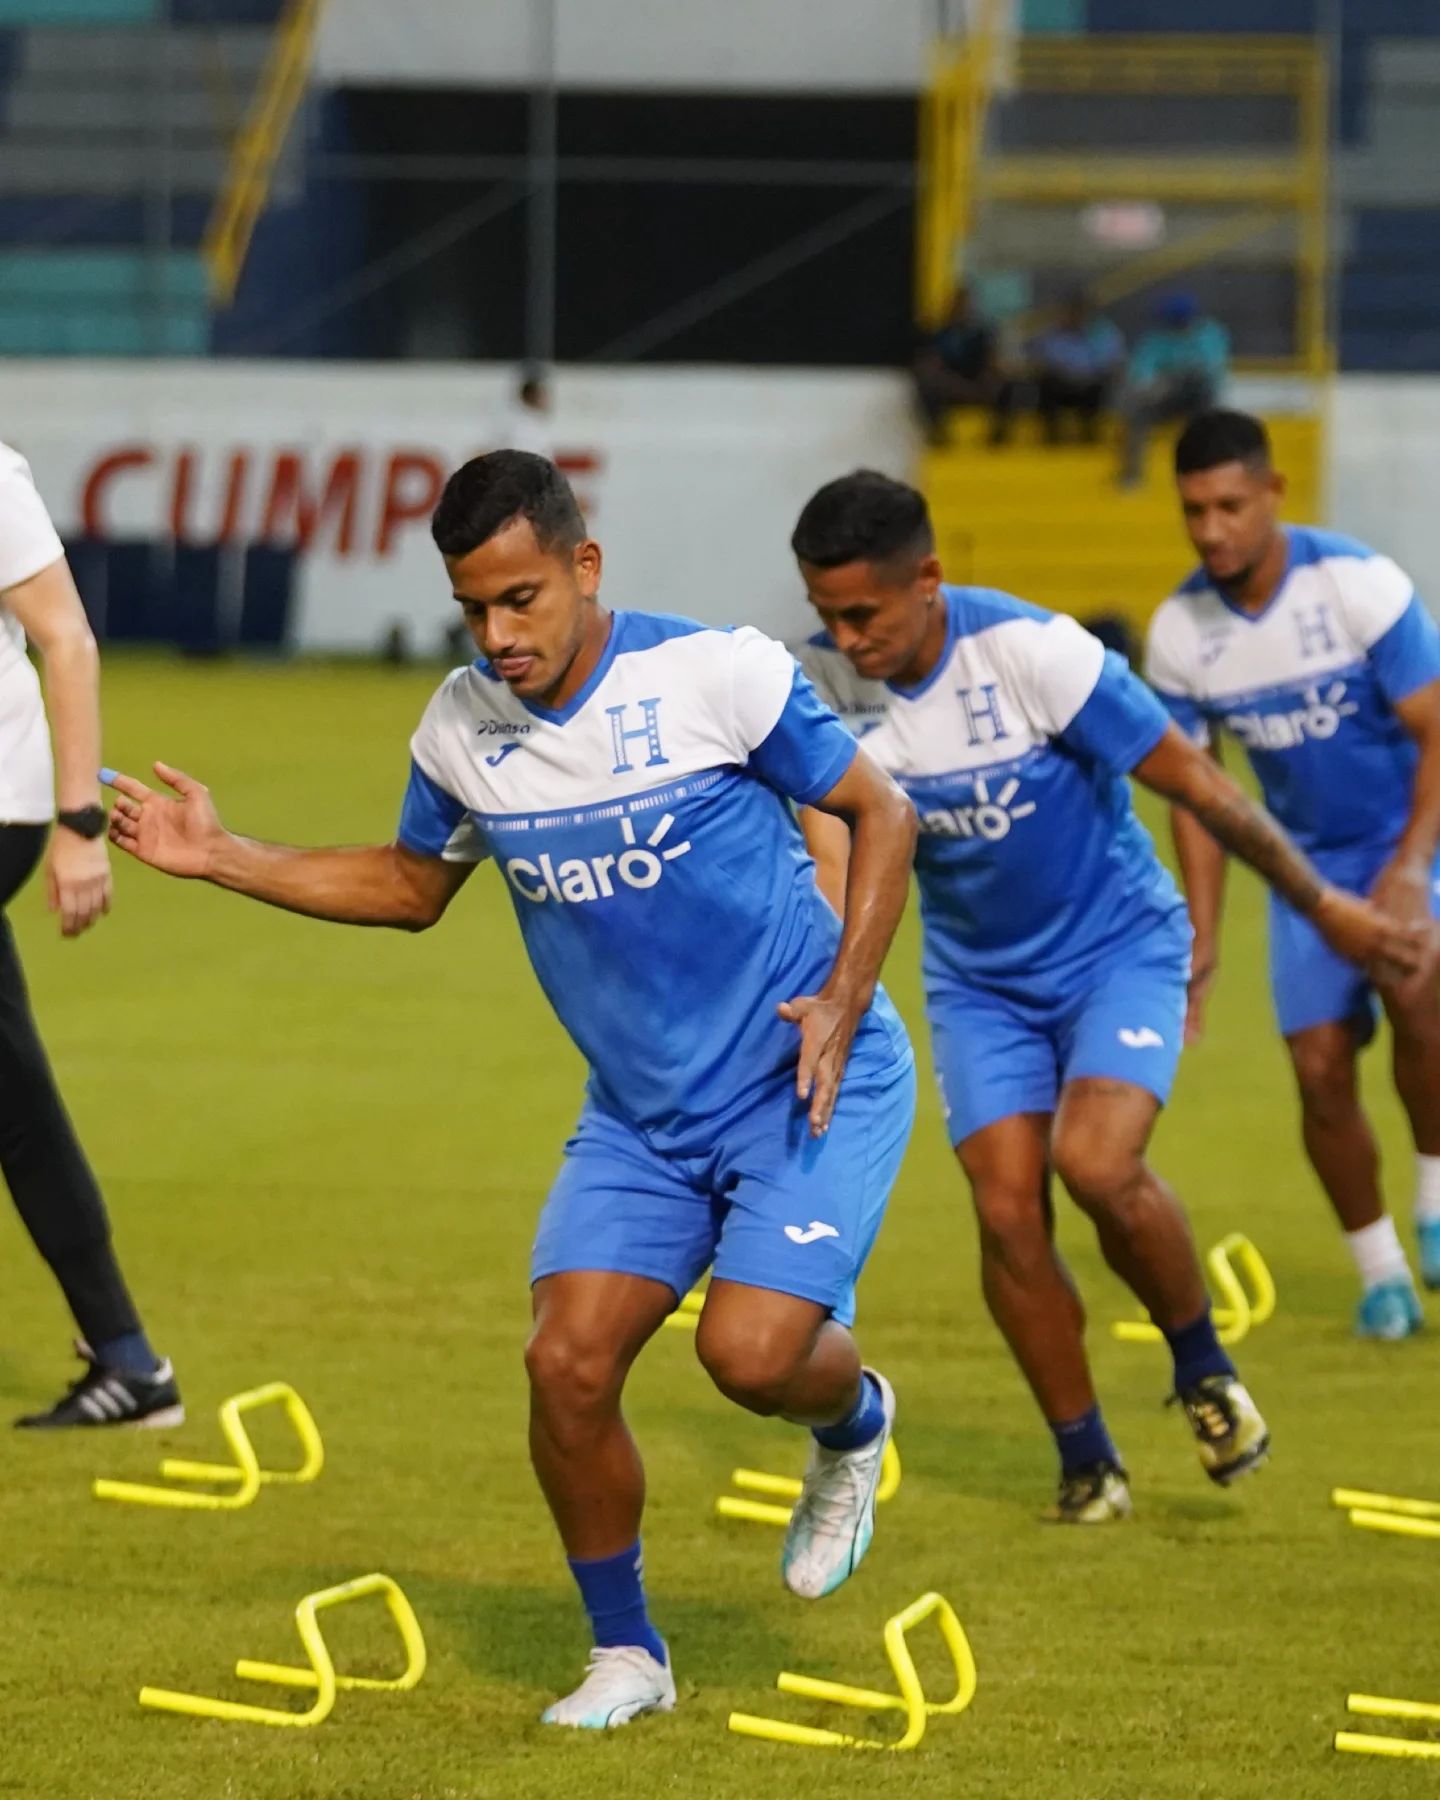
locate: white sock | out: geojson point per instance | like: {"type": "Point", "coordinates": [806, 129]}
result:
{"type": "Point", "coordinates": [1427, 1189]}
{"type": "Point", "coordinates": [1377, 1253]}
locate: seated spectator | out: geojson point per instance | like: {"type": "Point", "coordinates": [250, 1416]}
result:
{"type": "Point", "coordinates": [1177, 370]}
{"type": "Point", "coordinates": [1076, 364]}
{"type": "Point", "coordinates": [956, 366]}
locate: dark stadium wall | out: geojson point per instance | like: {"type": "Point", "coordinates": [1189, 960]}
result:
{"type": "Point", "coordinates": [628, 250]}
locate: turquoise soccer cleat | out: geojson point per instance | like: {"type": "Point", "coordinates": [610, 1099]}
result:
{"type": "Point", "coordinates": [834, 1518]}
{"type": "Point", "coordinates": [1427, 1233]}
{"type": "Point", "coordinates": [1389, 1311]}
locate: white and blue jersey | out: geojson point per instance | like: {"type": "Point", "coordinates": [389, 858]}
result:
{"type": "Point", "coordinates": [668, 906]}
{"type": "Point", "coordinates": [1308, 686]}
{"type": "Point", "coordinates": [1035, 875]}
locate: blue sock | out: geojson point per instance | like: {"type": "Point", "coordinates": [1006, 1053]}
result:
{"type": "Point", "coordinates": [862, 1424]}
{"type": "Point", "coordinates": [1197, 1352]}
{"type": "Point", "coordinates": [1083, 1442]}
{"type": "Point", "coordinates": [613, 1589]}
{"type": "Point", "coordinates": [131, 1354]}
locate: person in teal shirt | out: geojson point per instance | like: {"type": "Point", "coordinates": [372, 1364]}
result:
{"type": "Point", "coordinates": [1077, 362]}
{"type": "Point", "coordinates": [1177, 369]}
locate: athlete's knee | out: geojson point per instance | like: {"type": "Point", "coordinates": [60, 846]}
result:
{"type": "Point", "coordinates": [572, 1372]}
{"type": "Point", "coordinates": [1013, 1228]}
{"type": "Point", "coordinates": [1325, 1075]}
{"type": "Point", "coordinates": [752, 1364]}
{"type": "Point", "coordinates": [1415, 1022]}
{"type": "Point", "coordinates": [1103, 1177]}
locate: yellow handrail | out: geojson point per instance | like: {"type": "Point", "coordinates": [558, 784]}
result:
{"type": "Point", "coordinates": [256, 148]}
{"type": "Point", "coordinates": [953, 112]}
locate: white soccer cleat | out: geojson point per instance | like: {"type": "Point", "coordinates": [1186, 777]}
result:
{"type": "Point", "coordinates": [834, 1518]}
{"type": "Point", "coordinates": [620, 1684]}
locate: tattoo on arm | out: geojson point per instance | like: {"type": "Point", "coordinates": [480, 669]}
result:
{"type": "Point", "coordinates": [1247, 831]}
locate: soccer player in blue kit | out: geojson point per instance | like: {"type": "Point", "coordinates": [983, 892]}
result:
{"type": "Point", "coordinates": [1318, 656]}
{"type": "Point", "coordinates": [1056, 946]}
{"type": "Point", "coordinates": [751, 1089]}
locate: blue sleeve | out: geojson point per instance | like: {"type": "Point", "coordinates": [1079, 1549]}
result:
{"type": "Point", "coordinates": [1407, 656]}
{"type": "Point", "coordinates": [807, 749]}
{"type": "Point", "coordinates": [1121, 722]}
{"type": "Point", "coordinates": [428, 815]}
{"type": "Point", "coordinates": [1185, 712]}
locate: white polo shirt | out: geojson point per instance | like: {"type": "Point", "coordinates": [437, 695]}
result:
{"type": "Point", "coordinates": [28, 544]}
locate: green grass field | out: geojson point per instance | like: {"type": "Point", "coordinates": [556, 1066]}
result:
{"type": "Point", "coordinates": [324, 1151]}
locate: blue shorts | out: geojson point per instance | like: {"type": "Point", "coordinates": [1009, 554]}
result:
{"type": "Point", "coordinates": [998, 1053]}
{"type": "Point", "coordinates": [769, 1205]}
{"type": "Point", "coordinates": [1309, 983]}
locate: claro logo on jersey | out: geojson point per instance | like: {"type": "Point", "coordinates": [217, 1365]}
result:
{"type": "Point", "coordinates": [1319, 716]}
{"type": "Point", "coordinates": [987, 818]}
{"type": "Point", "coordinates": [579, 880]}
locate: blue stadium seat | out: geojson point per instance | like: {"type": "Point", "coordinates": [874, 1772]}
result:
{"type": "Point", "coordinates": [1216, 16]}
{"type": "Point", "coordinates": [101, 303]}
{"type": "Point", "coordinates": [79, 12]}
{"type": "Point", "coordinates": [226, 12]}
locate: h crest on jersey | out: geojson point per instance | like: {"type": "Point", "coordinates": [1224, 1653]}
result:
{"type": "Point", "coordinates": [983, 716]}
{"type": "Point", "coordinates": [1317, 635]}
{"type": "Point", "coordinates": [648, 733]}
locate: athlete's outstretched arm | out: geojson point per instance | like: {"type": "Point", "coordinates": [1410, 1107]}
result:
{"type": "Point", "coordinates": [1202, 874]}
{"type": "Point", "coordinates": [1403, 887]}
{"type": "Point", "coordinates": [1188, 777]}
{"type": "Point", "coordinates": [883, 829]}
{"type": "Point", "coordinates": [181, 834]}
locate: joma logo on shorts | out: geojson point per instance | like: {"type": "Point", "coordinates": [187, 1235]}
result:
{"type": "Point", "coordinates": [987, 818]}
{"type": "Point", "coordinates": [580, 879]}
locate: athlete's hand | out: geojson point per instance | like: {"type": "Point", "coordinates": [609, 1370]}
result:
{"type": "Point", "coordinates": [175, 835]}
{"type": "Point", "coordinates": [1398, 952]}
{"type": "Point", "coordinates": [1204, 967]}
{"type": "Point", "coordinates": [827, 1026]}
{"type": "Point", "coordinates": [77, 880]}
{"type": "Point", "coordinates": [1402, 889]}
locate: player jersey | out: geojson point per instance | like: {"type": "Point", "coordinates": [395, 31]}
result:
{"type": "Point", "coordinates": [1014, 749]}
{"type": "Point", "coordinates": [1307, 685]}
{"type": "Point", "coordinates": [660, 880]}
{"type": "Point", "coordinates": [28, 544]}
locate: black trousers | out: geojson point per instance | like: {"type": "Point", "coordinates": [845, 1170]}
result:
{"type": "Point", "coordinates": [1059, 394]}
{"type": "Point", "coordinates": [50, 1181]}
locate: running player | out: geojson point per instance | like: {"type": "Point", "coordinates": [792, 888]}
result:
{"type": "Point", "coordinates": [1317, 655]}
{"type": "Point", "coordinates": [629, 773]}
{"type": "Point", "coordinates": [1056, 946]}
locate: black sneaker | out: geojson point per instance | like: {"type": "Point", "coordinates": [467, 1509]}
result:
{"type": "Point", "coordinates": [1094, 1495]}
{"type": "Point", "coordinates": [113, 1397]}
{"type": "Point", "coordinates": [1230, 1434]}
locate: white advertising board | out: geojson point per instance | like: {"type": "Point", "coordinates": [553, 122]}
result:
{"type": "Point", "coordinates": [691, 478]}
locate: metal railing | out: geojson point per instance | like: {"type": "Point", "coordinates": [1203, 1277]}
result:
{"type": "Point", "coordinates": [256, 148]}
{"type": "Point", "coordinates": [953, 111]}
{"type": "Point", "coordinates": [1258, 187]}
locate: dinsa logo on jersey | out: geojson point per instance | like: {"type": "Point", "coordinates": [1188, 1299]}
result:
{"type": "Point", "coordinates": [578, 880]}
{"type": "Point", "coordinates": [1318, 717]}
{"type": "Point", "coordinates": [986, 818]}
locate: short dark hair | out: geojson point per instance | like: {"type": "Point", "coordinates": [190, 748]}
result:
{"type": "Point", "coordinates": [1220, 436]}
{"type": "Point", "coordinates": [487, 493]}
{"type": "Point", "coordinates": [863, 517]}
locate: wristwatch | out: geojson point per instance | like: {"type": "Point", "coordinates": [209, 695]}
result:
{"type": "Point", "coordinates": [85, 821]}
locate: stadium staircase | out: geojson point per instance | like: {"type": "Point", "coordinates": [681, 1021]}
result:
{"type": "Point", "coordinates": [1386, 176]}
{"type": "Point", "coordinates": [115, 130]}
{"type": "Point", "coordinates": [1049, 524]}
